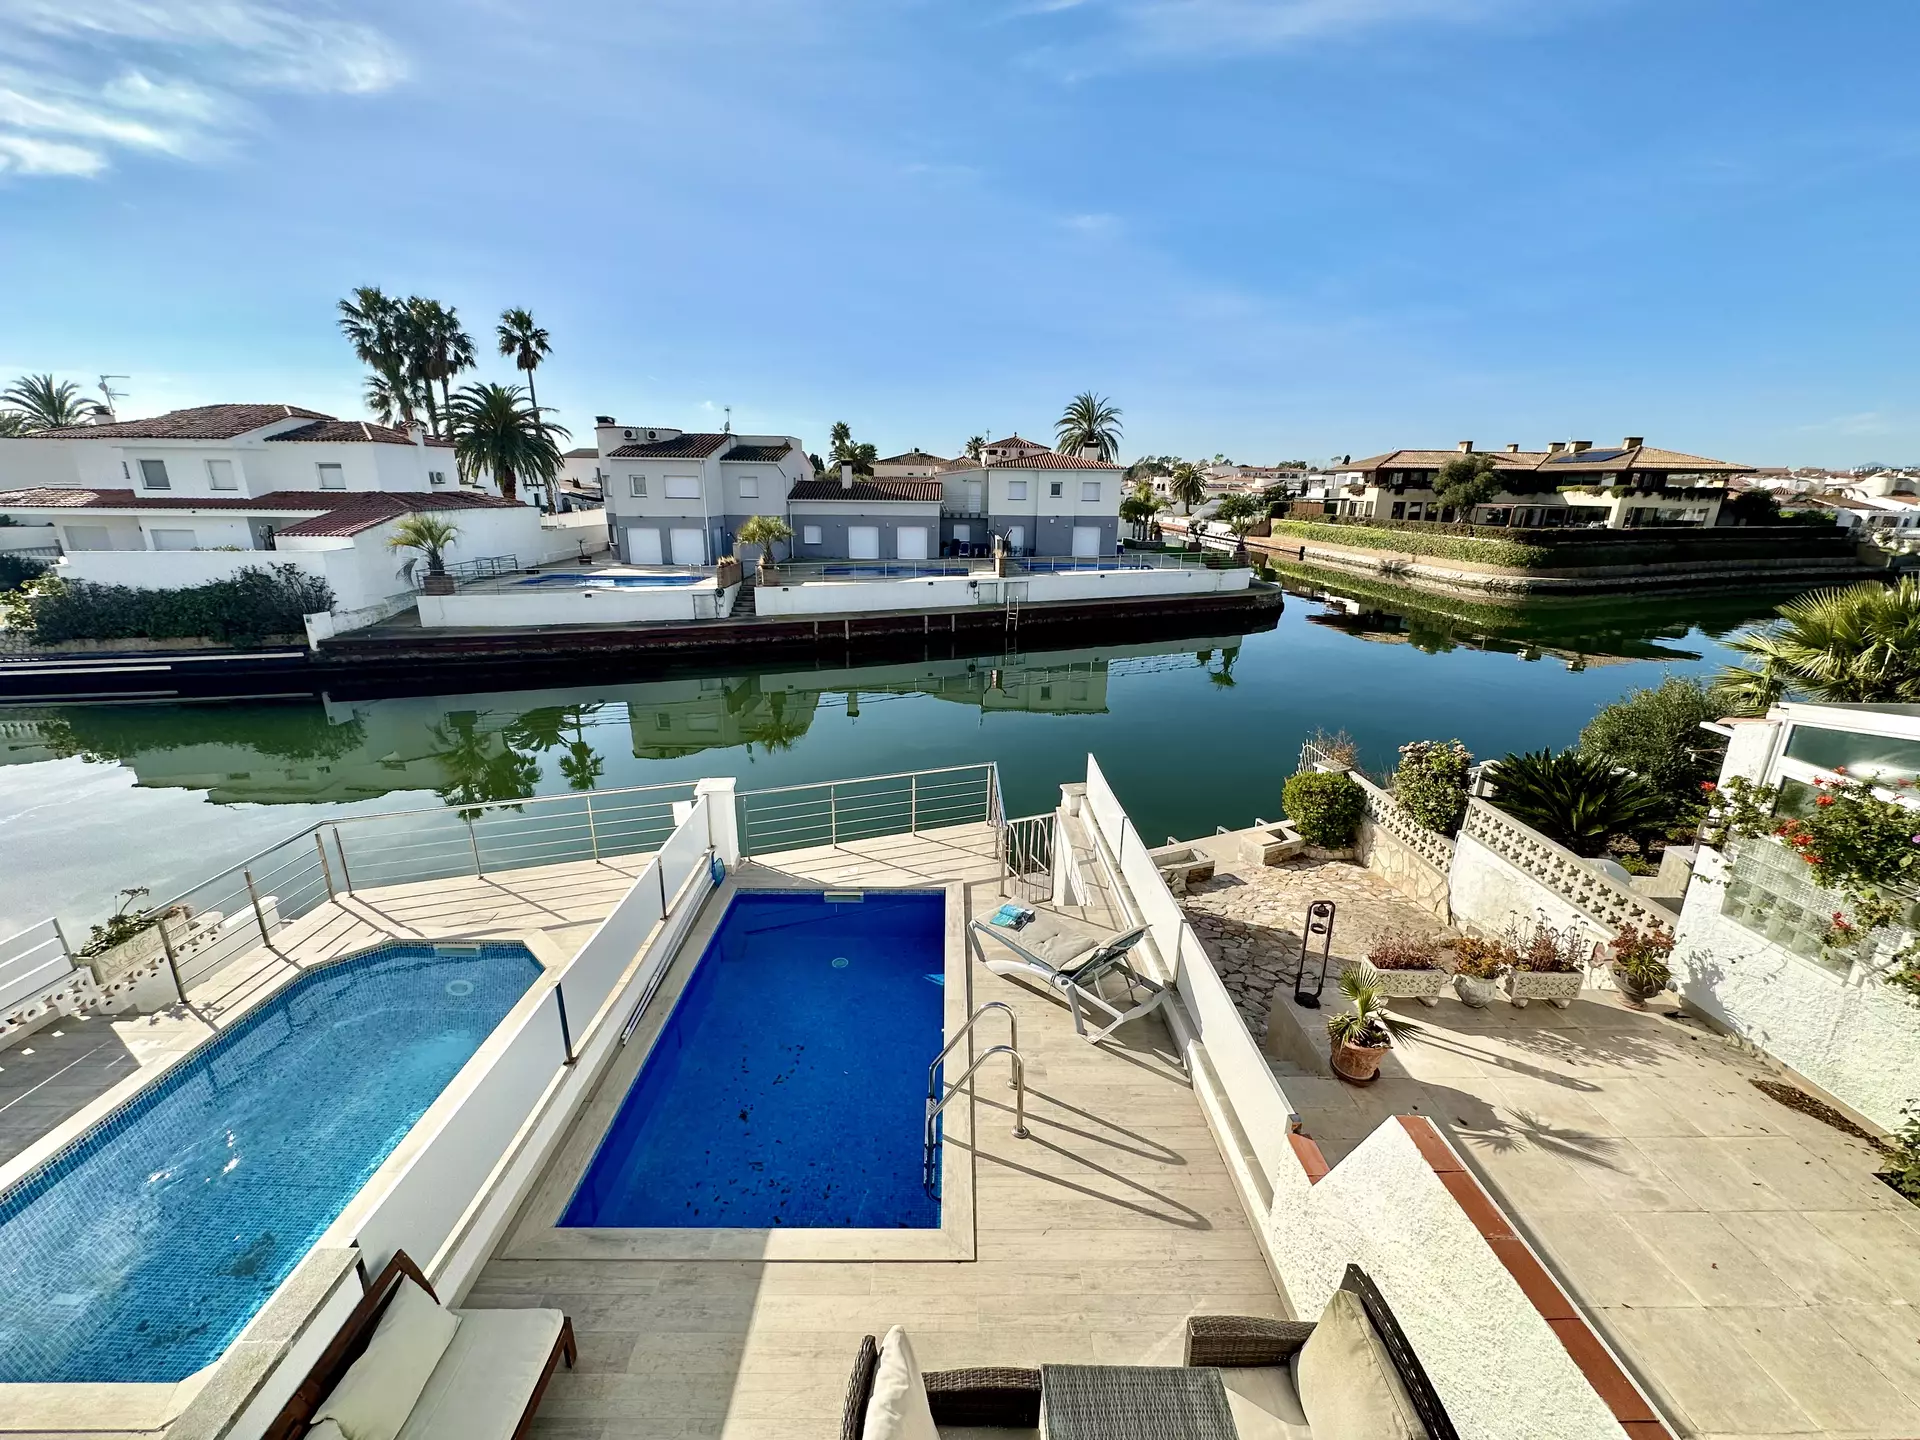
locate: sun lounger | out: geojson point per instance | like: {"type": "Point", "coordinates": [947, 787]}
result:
{"type": "Point", "coordinates": [1074, 957]}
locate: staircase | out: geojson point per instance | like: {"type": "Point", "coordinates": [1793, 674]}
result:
{"type": "Point", "coordinates": [743, 608]}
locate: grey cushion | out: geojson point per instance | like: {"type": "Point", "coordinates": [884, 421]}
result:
{"type": "Point", "coordinates": [481, 1386]}
{"type": "Point", "coordinates": [1347, 1385]}
{"type": "Point", "coordinates": [1264, 1404]}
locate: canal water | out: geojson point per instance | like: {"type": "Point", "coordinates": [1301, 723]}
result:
{"type": "Point", "coordinates": [1194, 734]}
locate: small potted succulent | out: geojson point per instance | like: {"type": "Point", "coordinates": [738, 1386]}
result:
{"type": "Point", "coordinates": [1549, 964]}
{"type": "Point", "coordinates": [1404, 965]}
{"type": "Point", "coordinates": [1639, 963]}
{"type": "Point", "coordinates": [1363, 1035]}
{"type": "Point", "coordinates": [1478, 964]}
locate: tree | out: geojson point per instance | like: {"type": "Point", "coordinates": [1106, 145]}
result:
{"type": "Point", "coordinates": [1577, 800]}
{"type": "Point", "coordinates": [1139, 508]}
{"type": "Point", "coordinates": [12, 424]}
{"type": "Point", "coordinates": [1466, 481]}
{"type": "Point", "coordinates": [1751, 507]}
{"type": "Point", "coordinates": [375, 325]}
{"type": "Point", "coordinates": [437, 349]}
{"type": "Point", "coordinates": [975, 446]}
{"type": "Point", "coordinates": [1240, 513]}
{"type": "Point", "coordinates": [766, 531]}
{"type": "Point", "coordinates": [844, 451]}
{"type": "Point", "coordinates": [1088, 420]}
{"type": "Point", "coordinates": [1186, 488]}
{"type": "Point", "coordinates": [1656, 734]}
{"type": "Point", "coordinates": [429, 534]}
{"type": "Point", "coordinates": [526, 343]}
{"type": "Point", "coordinates": [42, 404]}
{"type": "Point", "coordinates": [495, 432]}
{"type": "Point", "coordinates": [1852, 644]}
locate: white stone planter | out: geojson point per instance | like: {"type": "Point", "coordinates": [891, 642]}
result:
{"type": "Point", "coordinates": [1557, 987]}
{"type": "Point", "coordinates": [1422, 985]}
{"type": "Point", "coordinates": [1476, 992]}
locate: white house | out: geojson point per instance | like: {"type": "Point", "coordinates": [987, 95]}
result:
{"type": "Point", "coordinates": [229, 451]}
{"type": "Point", "coordinates": [1040, 502]}
{"type": "Point", "coordinates": [678, 497]}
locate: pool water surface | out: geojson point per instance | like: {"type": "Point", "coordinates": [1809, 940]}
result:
{"type": "Point", "coordinates": [139, 1252]}
{"type": "Point", "coordinates": [788, 1085]}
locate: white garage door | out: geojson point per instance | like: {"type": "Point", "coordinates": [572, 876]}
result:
{"type": "Point", "coordinates": [645, 546]}
{"type": "Point", "coordinates": [863, 542]}
{"type": "Point", "coordinates": [689, 547]}
{"type": "Point", "coordinates": [911, 542]}
{"type": "Point", "coordinates": [1086, 542]}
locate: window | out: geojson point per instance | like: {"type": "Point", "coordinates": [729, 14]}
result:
{"type": "Point", "coordinates": [153, 475]}
{"type": "Point", "coordinates": [683, 487]}
{"type": "Point", "coordinates": [809, 534]}
{"type": "Point", "coordinates": [1016, 489]}
{"type": "Point", "coordinates": [1090, 490]}
{"type": "Point", "coordinates": [1880, 758]}
{"type": "Point", "coordinates": [88, 537]}
{"type": "Point", "coordinates": [662, 720]}
{"type": "Point", "coordinates": [749, 487]}
{"type": "Point", "coordinates": [332, 477]}
{"type": "Point", "coordinates": [1055, 488]}
{"type": "Point", "coordinates": [172, 539]}
{"type": "Point", "coordinates": [220, 475]}
{"type": "Point", "coordinates": [637, 486]}
{"type": "Point", "coordinates": [963, 533]}
{"type": "Point", "coordinates": [1399, 510]}
{"type": "Point", "coordinates": [436, 477]}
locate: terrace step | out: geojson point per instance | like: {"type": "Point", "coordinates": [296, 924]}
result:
{"type": "Point", "coordinates": [743, 604]}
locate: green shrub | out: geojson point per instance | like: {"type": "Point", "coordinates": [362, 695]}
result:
{"type": "Point", "coordinates": [1431, 783]}
{"type": "Point", "coordinates": [1576, 800]}
{"type": "Point", "coordinates": [252, 604]}
{"type": "Point", "coordinates": [1439, 547]}
{"type": "Point", "coordinates": [17, 570]}
{"type": "Point", "coordinates": [1656, 734]}
{"type": "Point", "coordinates": [1325, 807]}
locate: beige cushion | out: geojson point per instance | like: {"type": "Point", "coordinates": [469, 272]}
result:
{"type": "Point", "coordinates": [1263, 1403]}
{"type": "Point", "coordinates": [1348, 1387]}
{"type": "Point", "coordinates": [482, 1385]}
{"type": "Point", "coordinates": [898, 1409]}
{"type": "Point", "coordinates": [375, 1396]}
{"type": "Point", "coordinates": [326, 1430]}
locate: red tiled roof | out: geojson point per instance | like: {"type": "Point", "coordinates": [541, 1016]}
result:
{"type": "Point", "coordinates": [346, 430]}
{"type": "Point", "coordinates": [757, 452]}
{"type": "Point", "coordinates": [912, 457]}
{"type": "Point", "coordinates": [1051, 460]}
{"type": "Point", "coordinates": [679, 447]}
{"type": "Point", "coordinates": [864, 489]}
{"type": "Point", "coordinates": [370, 507]}
{"type": "Point", "coordinates": [331, 512]}
{"type": "Point", "coordinates": [201, 422]}
{"type": "Point", "coordinates": [1016, 440]}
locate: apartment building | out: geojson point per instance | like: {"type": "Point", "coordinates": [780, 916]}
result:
{"type": "Point", "coordinates": [1039, 501]}
{"type": "Point", "coordinates": [679, 497]}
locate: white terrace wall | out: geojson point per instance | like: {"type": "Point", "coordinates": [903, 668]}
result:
{"type": "Point", "coordinates": [582, 605]}
{"type": "Point", "coordinates": [954, 592]}
{"type": "Point", "coordinates": [1411, 858]}
{"type": "Point", "coordinates": [1502, 868]}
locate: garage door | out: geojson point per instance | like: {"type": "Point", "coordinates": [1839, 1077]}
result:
{"type": "Point", "coordinates": [643, 547]}
{"type": "Point", "coordinates": [1086, 542]}
{"type": "Point", "coordinates": [911, 542]}
{"type": "Point", "coordinates": [689, 547]}
{"type": "Point", "coordinates": [863, 542]}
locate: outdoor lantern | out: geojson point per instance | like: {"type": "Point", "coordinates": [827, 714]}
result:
{"type": "Point", "coordinates": [1319, 922]}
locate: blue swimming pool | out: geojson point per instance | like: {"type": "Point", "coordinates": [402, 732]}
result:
{"type": "Point", "coordinates": [788, 1086]}
{"type": "Point", "coordinates": [610, 582]}
{"type": "Point", "coordinates": [140, 1250]}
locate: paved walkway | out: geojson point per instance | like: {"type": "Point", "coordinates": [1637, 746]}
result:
{"type": "Point", "coordinates": [1739, 1255]}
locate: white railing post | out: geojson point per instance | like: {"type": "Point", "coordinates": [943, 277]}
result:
{"type": "Point", "coordinates": [340, 846]}
{"type": "Point", "coordinates": [833, 815]}
{"type": "Point", "coordinates": [723, 817]}
{"type": "Point", "coordinates": [593, 834]}
{"type": "Point", "coordinates": [913, 804]}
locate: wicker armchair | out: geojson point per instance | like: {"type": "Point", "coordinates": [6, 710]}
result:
{"type": "Point", "coordinates": [1231, 1341]}
{"type": "Point", "coordinates": [998, 1397]}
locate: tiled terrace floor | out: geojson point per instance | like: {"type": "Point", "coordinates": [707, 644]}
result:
{"type": "Point", "coordinates": [1094, 1240]}
{"type": "Point", "coordinates": [1739, 1255]}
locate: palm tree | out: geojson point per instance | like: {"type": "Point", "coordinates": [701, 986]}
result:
{"type": "Point", "coordinates": [42, 404]}
{"type": "Point", "coordinates": [1186, 487]}
{"type": "Point", "coordinates": [766, 531]}
{"type": "Point", "coordinates": [582, 764]}
{"type": "Point", "coordinates": [844, 451]}
{"type": "Point", "coordinates": [429, 534]}
{"type": "Point", "coordinates": [12, 424]}
{"type": "Point", "coordinates": [389, 401]}
{"type": "Point", "coordinates": [1139, 508]}
{"type": "Point", "coordinates": [975, 445]}
{"type": "Point", "coordinates": [438, 349]}
{"type": "Point", "coordinates": [1853, 644]}
{"type": "Point", "coordinates": [496, 433]}
{"type": "Point", "coordinates": [375, 324]}
{"type": "Point", "coordinates": [1089, 419]}
{"type": "Point", "coordinates": [527, 343]}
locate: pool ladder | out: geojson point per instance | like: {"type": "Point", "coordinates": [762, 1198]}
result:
{"type": "Point", "coordinates": [936, 1102]}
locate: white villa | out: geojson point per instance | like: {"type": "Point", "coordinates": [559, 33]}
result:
{"type": "Point", "coordinates": [678, 497]}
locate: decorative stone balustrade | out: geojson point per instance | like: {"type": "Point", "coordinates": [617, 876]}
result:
{"type": "Point", "coordinates": [1559, 869]}
{"type": "Point", "coordinates": [1386, 812]}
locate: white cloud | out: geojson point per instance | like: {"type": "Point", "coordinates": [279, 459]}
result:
{"type": "Point", "coordinates": [1147, 29]}
{"type": "Point", "coordinates": [84, 80]}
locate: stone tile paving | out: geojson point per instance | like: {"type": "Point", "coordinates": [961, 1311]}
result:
{"type": "Point", "coordinates": [1739, 1255]}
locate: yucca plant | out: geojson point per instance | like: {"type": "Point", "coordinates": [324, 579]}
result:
{"type": "Point", "coordinates": [1577, 800]}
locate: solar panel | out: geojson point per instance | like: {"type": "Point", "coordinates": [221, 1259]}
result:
{"type": "Point", "coordinates": [1586, 457]}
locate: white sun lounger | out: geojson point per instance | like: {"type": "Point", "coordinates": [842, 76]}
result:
{"type": "Point", "coordinates": [1072, 956]}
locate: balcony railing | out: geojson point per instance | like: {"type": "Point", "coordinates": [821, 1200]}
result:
{"type": "Point", "coordinates": [801, 817]}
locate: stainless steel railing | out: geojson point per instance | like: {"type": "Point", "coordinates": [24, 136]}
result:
{"type": "Point", "coordinates": [1026, 857]}
{"type": "Point", "coordinates": [835, 812]}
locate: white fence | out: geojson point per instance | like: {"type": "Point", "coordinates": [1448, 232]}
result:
{"type": "Point", "coordinates": [1259, 1104]}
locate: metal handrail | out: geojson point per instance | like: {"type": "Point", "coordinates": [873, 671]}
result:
{"type": "Point", "coordinates": [1013, 1039]}
{"type": "Point", "coordinates": [870, 779]}
{"type": "Point", "coordinates": [934, 1107]}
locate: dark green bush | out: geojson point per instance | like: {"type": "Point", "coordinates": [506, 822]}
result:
{"type": "Point", "coordinates": [17, 570]}
{"type": "Point", "coordinates": [1577, 800]}
{"type": "Point", "coordinates": [1325, 807]}
{"type": "Point", "coordinates": [251, 605]}
{"type": "Point", "coordinates": [1656, 734]}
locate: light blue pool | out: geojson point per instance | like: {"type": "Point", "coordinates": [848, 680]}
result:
{"type": "Point", "coordinates": [788, 1087]}
{"type": "Point", "coordinates": [610, 582]}
{"type": "Point", "coordinates": [140, 1250]}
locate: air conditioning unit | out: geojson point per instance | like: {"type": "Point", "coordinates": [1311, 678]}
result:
{"type": "Point", "coordinates": [653, 434]}
{"type": "Point", "coordinates": [629, 434]}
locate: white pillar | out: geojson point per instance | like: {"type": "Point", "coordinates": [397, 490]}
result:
{"type": "Point", "coordinates": [723, 817]}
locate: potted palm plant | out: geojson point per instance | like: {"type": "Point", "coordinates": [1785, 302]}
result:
{"type": "Point", "coordinates": [430, 535]}
{"type": "Point", "coordinates": [1478, 964]}
{"type": "Point", "coordinates": [1363, 1035]}
{"type": "Point", "coordinates": [1639, 963]}
{"type": "Point", "coordinates": [1549, 964]}
{"type": "Point", "coordinates": [1405, 965]}
{"type": "Point", "coordinates": [766, 531]}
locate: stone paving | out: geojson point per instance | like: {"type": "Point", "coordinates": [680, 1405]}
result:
{"type": "Point", "coordinates": [1739, 1256]}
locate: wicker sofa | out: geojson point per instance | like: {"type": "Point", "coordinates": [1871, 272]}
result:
{"type": "Point", "coordinates": [1261, 1365]}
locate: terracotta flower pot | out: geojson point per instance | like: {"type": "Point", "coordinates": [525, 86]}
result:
{"type": "Point", "coordinates": [1358, 1063]}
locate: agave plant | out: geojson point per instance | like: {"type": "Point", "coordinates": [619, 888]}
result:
{"type": "Point", "coordinates": [1577, 800]}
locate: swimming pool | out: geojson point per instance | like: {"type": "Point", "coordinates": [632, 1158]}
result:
{"type": "Point", "coordinates": [610, 582]}
{"type": "Point", "coordinates": [788, 1086]}
{"type": "Point", "coordinates": [139, 1251]}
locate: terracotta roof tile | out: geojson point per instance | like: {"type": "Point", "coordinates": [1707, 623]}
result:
{"type": "Point", "coordinates": [201, 422]}
{"type": "Point", "coordinates": [747, 453]}
{"type": "Point", "coordinates": [363, 430]}
{"type": "Point", "coordinates": [370, 507]}
{"type": "Point", "coordinates": [329, 512]}
{"type": "Point", "coordinates": [679, 447]}
{"type": "Point", "coordinates": [1051, 460]}
{"type": "Point", "coordinates": [912, 457]}
{"type": "Point", "coordinates": [863, 489]}
{"type": "Point", "coordinates": [1016, 440]}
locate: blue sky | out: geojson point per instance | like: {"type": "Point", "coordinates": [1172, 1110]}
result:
{"type": "Point", "coordinates": [1273, 228]}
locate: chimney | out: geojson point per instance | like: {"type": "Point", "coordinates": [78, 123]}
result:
{"type": "Point", "coordinates": [1633, 442]}
{"type": "Point", "coordinates": [1579, 446]}
{"type": "Point", "coordinates": [846, 477]}
{"type": "Point", "coordinates": [605, 420]}
{"type": "Point", "coordinates": [1089, 452]}
{"type": "Point", "coordinates": [417, 433]}
{"type": "Point", "coordinates": [1513, 449]}
{"type": "Point", "coordinates": [1465, 447]}
{"type": "Point", "coordinates": [1554, 447]}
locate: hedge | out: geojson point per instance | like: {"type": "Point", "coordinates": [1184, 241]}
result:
{"type": "Point", "coordinates": [1439, 547]}
{"type": "Point", "coordinates": [1325, 806]}
{"type": "Point", "coordinates": [251, 605]}
{"type": "Point", "coordinates": [1715, 539]}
